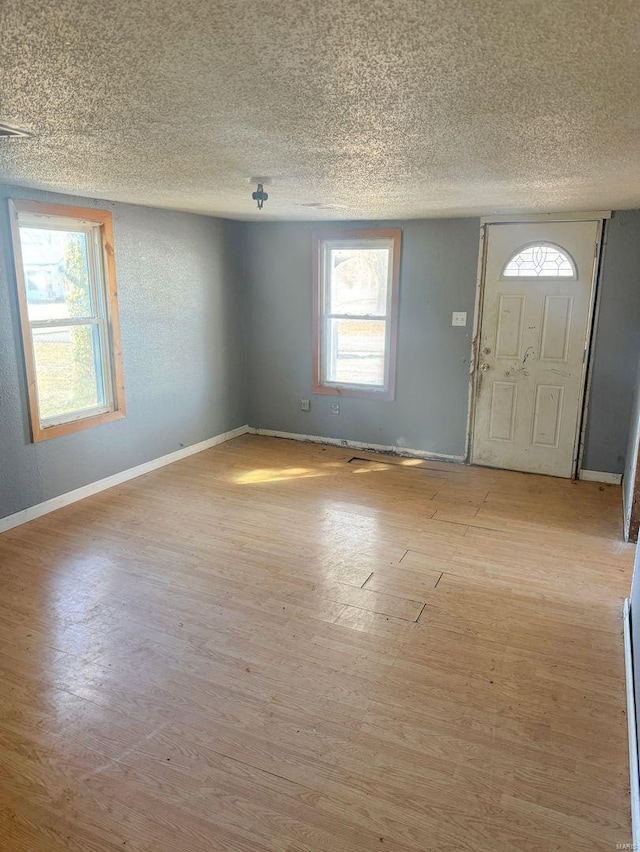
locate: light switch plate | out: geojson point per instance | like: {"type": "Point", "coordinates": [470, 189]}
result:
{"type": "Point", "coordinates": [459, 318]}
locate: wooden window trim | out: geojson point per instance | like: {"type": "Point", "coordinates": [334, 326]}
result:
{"type": "Point", "coordinates": [104, 219]}
{"type": "Point", "coordinates": [387, 393]}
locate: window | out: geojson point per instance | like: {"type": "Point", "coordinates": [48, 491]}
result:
{"type": "Point", "coordinates": [542, 260]}
{"type": "Point", "coordinates": [65, 273]}
{"type": "Point", "coordinates": [355, 312]}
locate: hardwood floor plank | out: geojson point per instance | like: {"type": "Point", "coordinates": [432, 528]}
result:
{"type": "Point", "coordinates": [268, 647]}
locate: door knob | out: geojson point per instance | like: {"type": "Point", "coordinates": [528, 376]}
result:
{"type": "Point", "coordinates": [484, 367]}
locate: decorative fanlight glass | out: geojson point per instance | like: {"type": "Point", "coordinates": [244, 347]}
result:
{"type": "Point", "coordinates": [542, 260]}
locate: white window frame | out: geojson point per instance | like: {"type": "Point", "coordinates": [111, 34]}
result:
{"type": "Point", "coordinates": [324, 243]}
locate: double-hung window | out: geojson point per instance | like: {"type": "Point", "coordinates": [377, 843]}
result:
{"type": "Point", "coordinates": [65, 273]}
{"type": "Point", "coordinates": [355, 312]}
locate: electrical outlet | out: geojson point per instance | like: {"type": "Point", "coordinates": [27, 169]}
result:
{"type": "Point", "coordinates": [305, 404]}
{"type": "Point", "coordinates": [335, 408]}
{"type": "Point", "coordinates": [459, 318]}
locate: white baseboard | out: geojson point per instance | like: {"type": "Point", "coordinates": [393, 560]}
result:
{"type": "Point", "coordinates": [47, 506]}
{"type": "Point", "coordinates": [25, 515]}
{"type": "Point", "coordinates": [634, 778]}
{"type": "Point", "coordinates": [600, 476]}
{"type": "Point", "coordinates": [359, 445]}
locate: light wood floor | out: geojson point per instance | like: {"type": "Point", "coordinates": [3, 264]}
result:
{"type": "Point", "coordinates": [266, 647]}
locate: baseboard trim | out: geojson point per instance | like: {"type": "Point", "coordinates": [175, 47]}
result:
{"type": "Point", "coordinates": [634, 779]}
{"type": "Point", "coordinates": [600, 476]}
{"type": "Point", "coordinates": [359, 445]}
{"type": "Point", "coordinates": [32, 512]}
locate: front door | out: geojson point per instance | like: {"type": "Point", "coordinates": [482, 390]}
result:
{"type": "Point", "coordinates": [536, 316]}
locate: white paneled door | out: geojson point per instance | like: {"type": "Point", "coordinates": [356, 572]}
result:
{"type": "Point", "coordinates": [536, 316]}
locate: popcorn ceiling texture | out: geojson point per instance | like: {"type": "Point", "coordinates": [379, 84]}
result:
{"type": "Point", "coordinates": [394, 109]}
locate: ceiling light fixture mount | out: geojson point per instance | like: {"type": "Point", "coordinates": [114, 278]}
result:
{"type": "Point", "coordinates": [260, 196]}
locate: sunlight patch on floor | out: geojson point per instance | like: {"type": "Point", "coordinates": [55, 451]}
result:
{"type": "Point", "coordinates": [264, 475]}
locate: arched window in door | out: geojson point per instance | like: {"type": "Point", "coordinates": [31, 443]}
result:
{"type": "Point", "coordinates": [540, 260]}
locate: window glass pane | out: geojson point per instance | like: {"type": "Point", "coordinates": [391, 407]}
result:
{"type": "Point", "coordinates": [68, 370]}
{"type": "Point", "coordinates": [541, 261]}
{"type": "Point", "coordinates": [56, 273]}
{"type": "Point", "coordinates": [355, 351]}
{"type": "Point", "coordinates": [358, 281]}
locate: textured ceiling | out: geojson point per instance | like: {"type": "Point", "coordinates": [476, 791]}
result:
{"type": "Point", "coordinates": [401, 108]}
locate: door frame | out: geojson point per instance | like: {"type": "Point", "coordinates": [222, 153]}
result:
{"type": "Point", "coordinates": [599, 216]}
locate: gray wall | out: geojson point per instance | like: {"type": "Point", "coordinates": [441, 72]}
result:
{"type": "Point", "coordinates": [187, 286]}
{"type": "Point", "coordinates": [438, 275]}
{"type": "Point", "coordinates": [617, 346]}
{"type": "Point", "coordinates": [181, 312]}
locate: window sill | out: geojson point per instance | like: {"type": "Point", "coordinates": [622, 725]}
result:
{"type": "Point", "coordinates": [384, 394]}
{"type": "Point", "coordinates": [46, 432]}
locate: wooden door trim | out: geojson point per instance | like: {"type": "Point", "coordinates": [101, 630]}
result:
{"type": "Point", "coordinates": [632, 520]}
{"type": "Point", "coordinates": [475, 344]}
{"type": "Point", "coordinates": [550, 218]}
{"type": "Point", "coordinates": [592, 330]}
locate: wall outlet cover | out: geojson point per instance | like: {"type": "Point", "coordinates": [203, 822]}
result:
{"type": "Point", "coordinates": [305, 404]}
{"type": "Point", "coordinates": [459, 318]}
{"type": "Point", "coordinates": [335, 408]}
